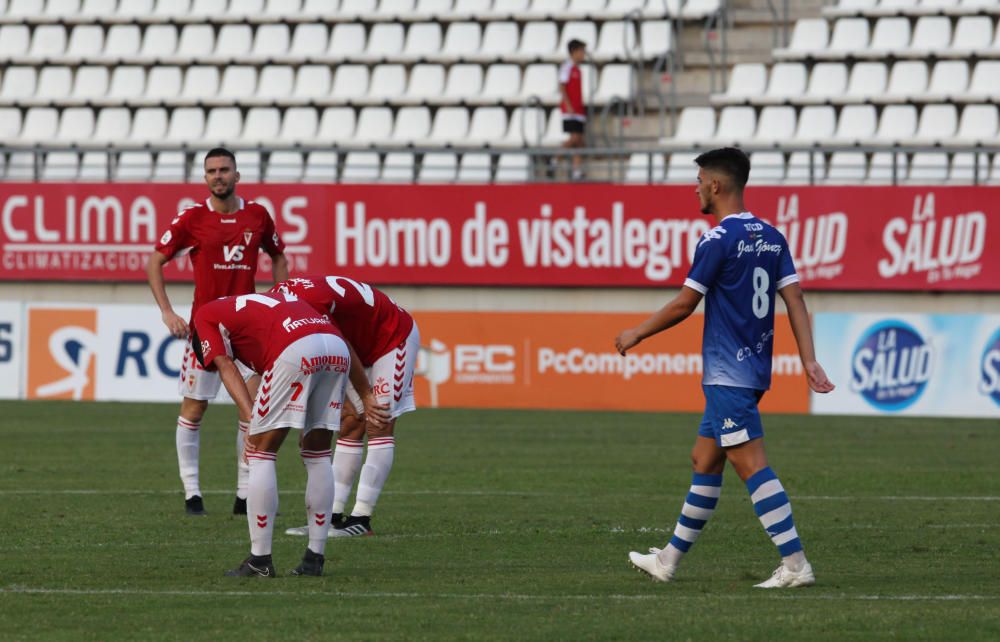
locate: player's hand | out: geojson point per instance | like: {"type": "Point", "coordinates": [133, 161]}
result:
{"type": "Point", "coordinates": [626, 340]}
{"type": "Point", "coordinates": [176, 324]}
{"type": "Point", "coordinates": [817, 378]}
{"type": "Point", "coordinates": [375, 414]}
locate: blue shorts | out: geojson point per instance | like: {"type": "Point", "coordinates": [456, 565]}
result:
{"type": "Point", "coordinates": [731, 415]}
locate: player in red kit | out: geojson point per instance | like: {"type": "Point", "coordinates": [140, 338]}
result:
{"type": "Point", "coordinates": [571, 92]}
{"type": "Point", "coordinates": [304, 365]}
{"type": "Point", "coordinates": [387, 341]}
{"type": "Point", "coordinates": [224, 236]}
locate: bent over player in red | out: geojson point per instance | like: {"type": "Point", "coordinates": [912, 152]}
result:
{"type": "Point", "coordinates": [224, 236]}
{"type": "Point", "coordinates": [387, 341]}
{"type": "Point", "coordinates": [304, 364]}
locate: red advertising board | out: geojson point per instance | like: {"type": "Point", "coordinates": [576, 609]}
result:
{"type": "Point", "coordinates": [843, 238]}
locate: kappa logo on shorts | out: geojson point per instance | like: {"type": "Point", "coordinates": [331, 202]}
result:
{"type": "Point", "coordinates": [729, 424]}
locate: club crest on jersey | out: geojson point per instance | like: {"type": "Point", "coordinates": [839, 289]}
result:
{"type": "Point", "coordinates": [247, 235]}
{"type": "Point", "coordinates": [166, 237]}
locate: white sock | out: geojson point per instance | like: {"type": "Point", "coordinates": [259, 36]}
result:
{"type": "Point", "coordinates": [188, 438]}
{"type": "Point", "coordinates": [374, 474]}
{"type": "Point", "coordinates": [242, 468]}
{"type": "Point", "coordinates": [262, 500]}
{"type": "Point", "coordinates": [346, 462]}
{"type": "Point", "coordinates": [319, 496]}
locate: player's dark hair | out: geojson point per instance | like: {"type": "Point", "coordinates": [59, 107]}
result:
{"type": "Point", "coordinates": [196, 347]}
{"type": "Point", "coordinates": [730, 161]}
{"type": "Point", "coordinates": [574, 45]}
{"type": "Point", "coordinates": [221, 151]}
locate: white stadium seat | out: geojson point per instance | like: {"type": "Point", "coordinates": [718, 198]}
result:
{"type": "Point", "coordinates": [134, 166]}
{"type": "Point", "coordinates": [736, 124]}
{"type": "Point", "coordinates": [62, 8]}
{"type": "Point", "coordinates": [847, 168]}
{"type": "Point", "coordinates": [387, 82]}
{"type": "Point", "coordinates": [243, 9]}
{"type": "Point", "coordinates": [234, 41]}
{"type": "Point", "coordinates": [809, 36]}
{"type": "Point", "coordinates": [857, 124]}
{"type": "Point", "coordinates": [412, 125]}
{"type": "Point", "coordinates": [321, 167]}
{"type": "Point", "coordinates": [538, 40]}
{"type": "Point", "coordinates": [932, 34]}
{"type": "Point", "coordinates": [805, 168]}
{"type": "Point", "coordinates": [90, 83]}
{"type": "Point", "coordinates": [746, 81]}
{"type": "Point", "coordinates": [309, 40]}
{"type": "Point", "coordinates": [283, 167]}
{"type": "Point", "coordinates": [451, 125]}
{"type": "Point", "coordinates": [299, 126]}
{"type": "Point", "coordinates": [644, 168]}
{"type": "Point", "coordinates": [438, 167]}
{"type": "Point", "coordinates": [500, 39]}
{"type": "Point", "coordinates": [223, 126]}
{"type": "Point", "coordinates": [18, 83]}
{"type": "Point", "coordinates": [776, 125]}
{"type": "Point", "coordinates": [938, 124]}
{"type": "Point", "coordinates": [542, 81]}
{"type": "Point", "coordinates": [197, 42]}
{"type": "Point", "coordinates": [40, 124]}
{"type": "Point", "coordinates": [47, 41]}
{"type": "Point", "coordinates": [617, 39]}
{"type": "Point", "coordinates": [135, 8]}
{"type": "Point", "coordinates": [398, 167]}
{"type": "Point", "coordinates": [163, 83]}
{"type": "Point", "coordinates": [984, 83]}
{"type": "Point", "coordinates": [867, 79]}
{"type": "Point", "coordinates": [475, 167]}
{"type": "Point", "coordinates": [10, 123]}
{"type": "Point", "coordinates": [615, 84]}
{"type": "Point", "coordinates": [350, 81]}
{"type": "Point", "coordinates": [113, 125]}
{"type": "Point", "coordinates": [501, 80]}
{"type": "Point", "coordinates": [374, 126]}
{"type": "Point", "coordinates": [384, 42]}
{"type": "Point", "coordinates": [122, 42]}
{"type": "Point", "coordinates": [949, 79]}
{"type": "Point", "coordinates": [978, 124]}
{"type": "Point", "coordinates": [170, 167]}
{"type": "Point", "coordinates": [261, 125]}
{"type": "Point", "coordinates": [767, 168]}
{"type": "Point", "coordinates": [908, 78]}
{"type": "Point", "coordinates": [816, 123]}
{"type": "Point", "coordinates": [656, 38]}
{"type": "Point", "coordinates": [76, 124]}
{"type": "Point", "coordinates": [887, 168]}
{"type": "Point", "coordinates": [187, 125]}
{"type": "Point", "coordinates": [681, 168]}
{"type": "Point", "coordinates": [463, 81]}
{"type": "Point", "coordinates": [85, 42]}
{"type": "Point", "coordinates": [271, 41]}
{"type": "Point", "coordinates": [972, 34]}
{"type": "Point", "coordinates": [928, 167]}
{"type": "Point", "coordinates": [426, 83]}
{"type": "Point", "coordinates": [336, 125]}
{"type": "Point", "coordinates": [61, 166]}
{"type": "Point", "coordinates": [695, 124]}
{"type": "Point", "coordinates": [898, 123]}
{"type": "Point", "coordinates": [94, 167]}
{"type": "Point", "coordinates": [423, 39]}
{"type": "Point", "coordinates": [361, 167]}
{"type": "Point", "coordinates": [489, 125]}
{"type": "Point", "coordinates": [513, 168]}
{"type": "Point", "coordinates": [827, 79]}
{"type": "Point", "coordinates": [967, 167]}
{"type": "Point", "coordinates": [788, 81]}
{"type": "Point", "coordinates": [313, 81]}
{"type": "Point", "coordinates": [346, 41]}
{"type": "Point", "coordinates": [276, 83]}
{"type": "Point", "coordinates": [461, 41]}
{"type": "Point", "coordinates": [890, 35]}
{"type": "Point", "coordinates": [850, 35]}
{"type": "Point", "coordinates": [54, 83]}
{"type": "Point", "coordinates": [13, 41]}
{"type": "Point", "coordinates": [238, 82]}
{"type": "Point", "coordinates": [158, 42]}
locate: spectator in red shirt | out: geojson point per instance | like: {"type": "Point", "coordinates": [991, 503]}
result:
{"type": "Point", "coordinates": [573, 112]}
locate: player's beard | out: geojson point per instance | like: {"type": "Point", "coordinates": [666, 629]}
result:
{"type": "Point", "coordinates": [227, 191]}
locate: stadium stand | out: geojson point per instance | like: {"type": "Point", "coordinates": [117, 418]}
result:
{"type": "Point", "coordinates": [466, 90]}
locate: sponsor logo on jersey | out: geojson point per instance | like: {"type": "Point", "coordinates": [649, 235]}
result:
{"type": "Point", "coordinates": [62, 353]}
{"type": "Point", "coordinates": [290, 325]}
{"type": "Point", "coordinates": [325, 362]}
{"type": "Point", "coordinates": [233, 253]}
{"type": "Point", "coordinates": [989, 374]}
{"type": "Point", "coordinates": [891, 365]}
{"type": "Point", "coordinates": [166, 237]}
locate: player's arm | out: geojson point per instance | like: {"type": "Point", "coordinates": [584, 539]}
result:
{"type": "Point", "coordinates": [233, 380]}
{"type": "Point", "coordinates": [678, 309]}
{"type": "Point", "coordinates": [279, 268]}
{"type": "Point", "coordinates": [798, 316]}
{"type": "Point", "coordinates": [154, 273]}
{"type": "Point", "coordinates": [375, 414]}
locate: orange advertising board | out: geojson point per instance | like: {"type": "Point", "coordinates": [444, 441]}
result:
{"type": "Point", "coordinates": [562, 360]}
{"type": "Point", "coordinates": [61, 349]}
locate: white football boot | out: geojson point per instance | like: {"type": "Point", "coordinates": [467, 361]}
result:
{"type": "Point", "coordinates": [298, 531]}
{"type": "Point", "coordinates": [651, 565]}
{"type": "Point", "coordinates": [785, 578]}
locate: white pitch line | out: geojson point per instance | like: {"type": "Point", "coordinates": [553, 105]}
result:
{"type": "Point", "coordinates": [29, 590]}
{"type": "Point", "coordinates": [490, 493]}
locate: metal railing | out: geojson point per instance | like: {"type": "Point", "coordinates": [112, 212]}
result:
{"type": "Point", "coordinates": [875, 164]}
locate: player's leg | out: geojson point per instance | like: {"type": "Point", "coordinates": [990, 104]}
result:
{"type": "Point", "coordinates": [325, 400]}
{"type": "Point", "coordinates": [242, 468]}
{"type": "Point", "coordinates": [576, 140]}
{"type": "Point", "coordinates": [397, 369]}
{"type": "Point", "coordinates": [746, 453]}
{"type": "Point", "coordinates": [262, 499]}
{"type": "Point", "coordinates": [774, 510]}
{"type": "Point", "coordinates": [196, 386]}
{"type": "Point", "coordinates": [708, 460]}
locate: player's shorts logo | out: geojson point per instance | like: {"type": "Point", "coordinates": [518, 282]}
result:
{"type": "Point", "coordinates": [62, 351]}
{"type": "Point", "coordinates": [989, 374]}
{"type": "Point", "coordinates": [891, 365]}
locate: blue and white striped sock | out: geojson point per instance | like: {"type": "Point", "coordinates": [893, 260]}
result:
{"type": "Point", "coordinates": [698, 508]}
{"type": "Point", "coordinates": [774, 511]}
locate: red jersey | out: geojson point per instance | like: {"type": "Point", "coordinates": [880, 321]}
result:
{"type": "Point", "coordinates": [255, 328]}
{"type": "Point", "coordinates": [223, 247]}
{"type": "Point", "coordinates": [371, 322]}
{"type": "Point", "coordinates": [569, 75]}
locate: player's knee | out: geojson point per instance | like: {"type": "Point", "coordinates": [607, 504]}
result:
{"type": "Point", "coordinates": [317, 440]}
{"type": "Point", "coordinates": [381, 431]}
{"type": "Point", "coordinates": [351, 427]}
{"type": "Point", "coordinates": [193, 409]}
{"type": "Point", "coordinates": [269, 441]}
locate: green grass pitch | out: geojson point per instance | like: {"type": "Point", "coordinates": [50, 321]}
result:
{"type": "Point", "coordinates": [501, 525]}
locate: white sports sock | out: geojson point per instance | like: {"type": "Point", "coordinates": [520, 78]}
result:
{"type": "Point", "coordinates": [262, 500]}
{"type": "Point", "coordinates": [346, 462]}
{"type": "Point", "coordinates": [374, 474]}
{"type": "Point", "coordinates": [242, 468]}
{"type": "Point", "coordinates": [188, 438]}
{"type": "Point", "coordinates": [319, 496]}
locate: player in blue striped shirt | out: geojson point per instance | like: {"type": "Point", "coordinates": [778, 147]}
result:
{"type": "Point", "coordinates": [739, 266]}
